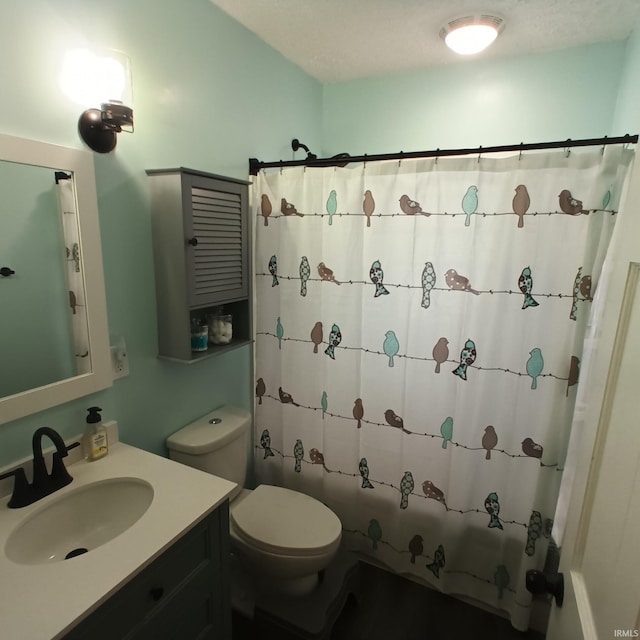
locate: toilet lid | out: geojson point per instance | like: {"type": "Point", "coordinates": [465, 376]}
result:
{"type": "Point", "coordinates": [288, 522]}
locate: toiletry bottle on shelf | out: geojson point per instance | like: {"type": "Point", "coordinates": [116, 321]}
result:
{"type": "Point", "coordinates": [220, 326]}
{"type": "Point", "coordinates": [95, 443]}
{"type": "Point", "coordinates": [199, 335]}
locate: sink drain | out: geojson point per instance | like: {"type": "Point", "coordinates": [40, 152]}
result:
{"type": "Point", "coordinates": [76, 552]}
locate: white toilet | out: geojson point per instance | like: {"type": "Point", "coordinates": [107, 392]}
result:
{"type": "Point", "coordinates": [285, 537]}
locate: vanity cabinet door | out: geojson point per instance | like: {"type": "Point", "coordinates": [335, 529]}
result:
{"type": "Point", "coordinates": [189, 617]}
{"type": "Point", "coordinates": [182, 595]}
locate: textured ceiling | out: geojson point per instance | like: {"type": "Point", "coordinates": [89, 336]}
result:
{"type": "Point", "coordinates": [336, 40]}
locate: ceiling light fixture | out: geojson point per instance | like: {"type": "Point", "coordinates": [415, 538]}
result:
{"type": "Point", "coordinates": [471, 34]}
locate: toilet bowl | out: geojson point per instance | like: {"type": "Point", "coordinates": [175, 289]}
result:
{"type": "Point", "coordinates": [283, 537]}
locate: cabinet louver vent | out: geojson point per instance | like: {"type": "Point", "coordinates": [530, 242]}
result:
{"type": "Point", "coordinates": [218, 256]}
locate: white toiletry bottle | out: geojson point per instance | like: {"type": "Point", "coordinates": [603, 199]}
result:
{"type": "Point", "coordinates": [95, 441]}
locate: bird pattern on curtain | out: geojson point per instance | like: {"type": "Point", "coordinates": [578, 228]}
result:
{"type": "Point", "coordinates": [419, 330]}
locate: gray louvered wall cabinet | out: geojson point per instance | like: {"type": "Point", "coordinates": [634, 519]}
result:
{"type": "Point", "coordinates": [201, 257]}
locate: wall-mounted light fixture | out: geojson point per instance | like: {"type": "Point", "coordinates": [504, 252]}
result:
{"type": "Point", "coordinates": [99, 78]}
{"type": "Point", "coordinates": [471, 34]}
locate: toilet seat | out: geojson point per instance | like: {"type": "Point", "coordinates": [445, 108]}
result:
{"type": "Point", "coordinates": [285, 522]}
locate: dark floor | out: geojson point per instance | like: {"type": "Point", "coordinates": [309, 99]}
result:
{"type": "Point", "coordinates": [394, 608]}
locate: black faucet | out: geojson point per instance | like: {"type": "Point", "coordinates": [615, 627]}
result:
{"type": "Point", "coordinates": [43, 483]}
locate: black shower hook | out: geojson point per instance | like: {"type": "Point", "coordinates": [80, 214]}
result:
{"type": "Point", "coordinates": [567, 151]}
{"type": "Point", "coordinates": [604, 144]}
{"type": "Point", "coordinates": [6, 272]}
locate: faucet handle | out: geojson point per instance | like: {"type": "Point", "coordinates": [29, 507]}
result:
{"type": "Point", "coordinates": [68, 448]}
{"type": "Point", "coordinates": [21, 496]}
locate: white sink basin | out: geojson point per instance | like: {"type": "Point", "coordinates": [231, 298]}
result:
{"type": "Point", "coordinates": [79, 521]}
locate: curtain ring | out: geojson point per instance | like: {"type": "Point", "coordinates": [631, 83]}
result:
{"type": "Point", "coordinates": [604, 144]}
{"type": "Point", "coordinates": [480, 153]}
{"type": "Point", "coordinates": [520, 154]}
{"type": "Point", "coordinates": [568, 149]}
{"type": "Point", "coordinates": [437, 155]}
{"type": "Point", "coordinates": [364, 166]}
{"type": "Point", "coordinates": [400, 158]}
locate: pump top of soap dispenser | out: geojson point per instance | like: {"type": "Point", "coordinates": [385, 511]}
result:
{"type": "Point", "coordinates": [94, 415]}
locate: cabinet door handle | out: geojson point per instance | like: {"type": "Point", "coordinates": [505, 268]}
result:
{"type": "Point", "coordinates": [193, 241]}
{"type": "Point", "coordinates": [6, 272]}
{"type": "Point", "coordinates": [156, 593]}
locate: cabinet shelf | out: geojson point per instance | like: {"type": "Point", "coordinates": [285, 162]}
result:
{"type": "Point", "coordinates": [211, 352]}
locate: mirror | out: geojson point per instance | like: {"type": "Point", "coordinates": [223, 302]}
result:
{"type": "Point", "coordinates": [53, 326]}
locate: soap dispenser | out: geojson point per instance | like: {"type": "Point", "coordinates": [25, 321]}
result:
{"type": "Point", "coordinates": [95, 442]}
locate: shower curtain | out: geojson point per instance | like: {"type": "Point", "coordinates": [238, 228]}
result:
{"type": "Point", "coordinates": [418, 337]}
{"type": "Point", "coordinates": [65, 190]}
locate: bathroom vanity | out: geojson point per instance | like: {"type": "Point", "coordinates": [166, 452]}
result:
{"type": "Point", "coordinates": [166, 575]}
{"type": "Point", "coordinates": [182, 594]}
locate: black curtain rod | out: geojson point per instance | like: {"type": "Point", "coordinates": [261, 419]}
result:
{"type": "Point", "coordinates": [343, 159]}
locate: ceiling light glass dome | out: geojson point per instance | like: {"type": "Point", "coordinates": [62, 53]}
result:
{"type": "Point", "coordinates": [471, 34]}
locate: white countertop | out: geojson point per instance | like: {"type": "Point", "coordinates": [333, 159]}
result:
{"type": "Point", "coordinates": [44, 601]}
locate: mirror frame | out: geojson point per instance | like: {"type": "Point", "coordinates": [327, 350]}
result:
{"type": "Point", "coordinates": [42, 154]}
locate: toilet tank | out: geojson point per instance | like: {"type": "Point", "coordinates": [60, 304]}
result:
{"type": "Point", "coordinates": [216, 443]}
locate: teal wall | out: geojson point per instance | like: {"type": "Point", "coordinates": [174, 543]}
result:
{"type": "Point", "coordinates": [627, 113]}
{"type": "Point", "coordinates": [209, 95]}
{"type": "Point", "coordinates": [550, 96]}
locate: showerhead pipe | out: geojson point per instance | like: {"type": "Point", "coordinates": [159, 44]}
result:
{"type": "Point", "coordinates": [296, 144]}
